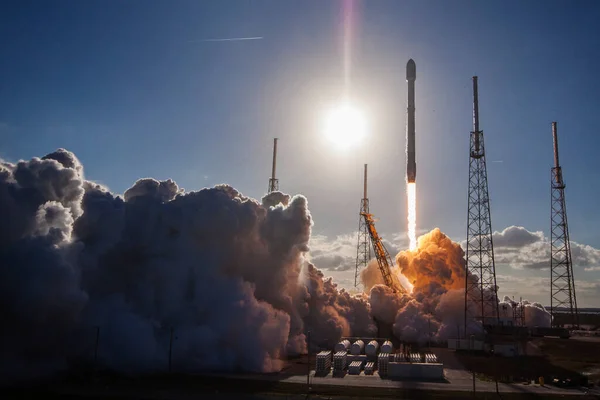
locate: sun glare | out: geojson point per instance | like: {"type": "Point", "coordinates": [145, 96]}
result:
{"type": "Point", "coordinates": [345, 125]}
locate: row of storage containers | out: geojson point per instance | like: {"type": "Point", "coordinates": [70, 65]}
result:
{"type": "Point", "coordinates": [393, 365]}
{"type": "Point", "coordinates": [358, 347]}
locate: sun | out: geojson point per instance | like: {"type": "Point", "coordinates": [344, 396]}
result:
{"type": "Point", "coordinates": [345, 125]}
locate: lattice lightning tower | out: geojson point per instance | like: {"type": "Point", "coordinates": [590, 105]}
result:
{"type": "Point", "coordinates": [562, 282]}
{"type": "Point", "coordinates": [363, 248]}
{"type": "Point", "coordinates": [481, 299]}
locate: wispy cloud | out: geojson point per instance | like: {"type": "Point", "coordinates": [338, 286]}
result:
{"type": "Point", "coordinates": [233, 39]}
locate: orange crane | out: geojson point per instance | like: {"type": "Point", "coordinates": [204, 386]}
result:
{"type": "Point", "coordinates": [383, 257]}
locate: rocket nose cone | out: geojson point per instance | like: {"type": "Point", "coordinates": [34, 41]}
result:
{"type": "Point", "coordinates": [411, 70]}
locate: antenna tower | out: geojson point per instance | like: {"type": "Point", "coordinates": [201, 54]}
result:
{"type": "Point", "coordinates": [363, 248]}
{"type": "Point", "coordinates": [562, 283]}
{"type": "Point", "coordinates": [274, 182]}
{"type": "Point", "coordinates": [480, 281]}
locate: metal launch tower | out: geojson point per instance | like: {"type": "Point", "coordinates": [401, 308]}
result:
{"type": "Point", "coordinates": [481, 297]}
{"type": "Point", "coordinates": [562, 282]}
{"type": "Point", "coordinates": [363, 248]}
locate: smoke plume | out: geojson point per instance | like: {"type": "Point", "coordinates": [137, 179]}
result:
{"type": "Point", "coordinates": [211, 278]}
{"type": "Point", "coordinates": [222, 274]}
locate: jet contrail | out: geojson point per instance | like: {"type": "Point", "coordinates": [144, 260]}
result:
{"type": "Point", "coordinates": [228, 39]}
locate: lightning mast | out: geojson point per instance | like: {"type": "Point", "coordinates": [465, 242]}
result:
{"type": "Point", "coordinates": [274, 182]}
{"type": "Point", "coordinates": [363, 251]}
{"type": "Point", "coordinates": [480, 280]}
{"type": "Point", "coordinates": [562, 283]}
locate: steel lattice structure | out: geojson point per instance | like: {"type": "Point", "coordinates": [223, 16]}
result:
{"type": "Point", "coordinates": [363, 248]}
{"type": "Point", "coordinates": [562, 282]}
{"type": "Point", "coordinates": [519, 313]}
{"type": "Point", "coordinates": [384, 261]}
{"type": "Point", "coordinates": [480, 281]}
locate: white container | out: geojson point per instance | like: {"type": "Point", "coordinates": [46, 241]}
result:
{"type": "Point", "coordinates": [382, 363]}
{"type": "Point", "coordinates": [354, 368]}
{"type": "Point", "coordinates": [357, 348]}
{"type": "Point", "coordinates": [415, 357]}
{"type": "Point", "coordinates": [369, 368]}
{"type": "Point", "coordinates": [361, 357]}
{"type": "Point", "coordinates": [371, 349]}
{"type": "Point", "coordinates": [416, 371]}
{"type": "Point", "coordinates": [323, 361]}
{"type": "Point", "coordinates": [344, 345]}
{"type": "Point", "coordinates": [339, 361]}
{"type": "Point", "coordinates": [387, 347]}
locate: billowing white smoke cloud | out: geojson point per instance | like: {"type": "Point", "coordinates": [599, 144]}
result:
{"type": "Point", "coordinates": [436, 306]}
{"type": "Point", "coordinates": [535, 314]}
{"type": "Point", "coordinates": [223, 271]}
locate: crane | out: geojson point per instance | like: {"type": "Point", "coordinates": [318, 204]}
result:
{"type": "Point", "coordinates": [383, 257]}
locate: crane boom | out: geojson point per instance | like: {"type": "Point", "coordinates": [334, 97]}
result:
{"type": "Point", "coordinates": [383, 257]}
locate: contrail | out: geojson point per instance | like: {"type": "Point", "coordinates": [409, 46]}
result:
{"type": "Point", "coordinates": [498, 161]}
{"type": "Point", "coordinates": [228, 39]}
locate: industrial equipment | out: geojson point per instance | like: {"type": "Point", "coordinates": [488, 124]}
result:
{"type": "Point", "coordinates": [383, 257]}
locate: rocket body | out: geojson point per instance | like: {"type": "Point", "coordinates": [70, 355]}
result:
{"type": "Point", "coordinates": [411, 164]}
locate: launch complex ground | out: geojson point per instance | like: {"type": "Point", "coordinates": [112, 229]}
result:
{"type": "Point", "coordinates": [547, 357]}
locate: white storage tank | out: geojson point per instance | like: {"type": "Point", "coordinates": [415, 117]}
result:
{"type": "Point", "coordinates": [357, 348]}
{"type": "Point", "coordinates": [387, 347]}
{"type": "Point", "coordinates": [371, 349]}
{"type": "Point", "coordinates": [344, 345]}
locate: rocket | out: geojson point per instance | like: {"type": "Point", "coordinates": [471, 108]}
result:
{"type": "Point", "coordinates": [411, 164]}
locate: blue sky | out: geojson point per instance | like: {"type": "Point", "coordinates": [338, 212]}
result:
{"type": "Point", "coordinates": [133, 90]}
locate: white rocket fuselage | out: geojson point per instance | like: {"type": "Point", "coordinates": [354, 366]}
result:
{"type": "Point", "coordinates": [411, 164]}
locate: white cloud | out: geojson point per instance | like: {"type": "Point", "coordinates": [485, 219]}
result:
{"type": "Point", "coordinates": [522, 249]}
{"type": "Point", "coordinates": [514, 246]}
{"type": "Point", "coordinates": [516, 237]}
{"type": "Point", "coordinates": [339, 253]}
